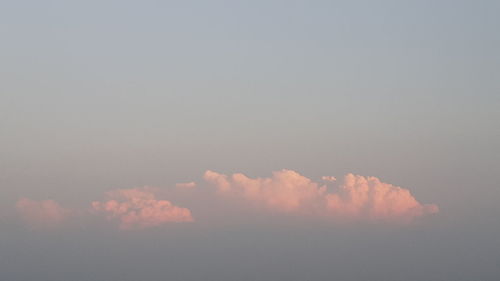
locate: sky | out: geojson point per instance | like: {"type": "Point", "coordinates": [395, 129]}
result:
{"type": "Point", "coordinates": [249, 140]}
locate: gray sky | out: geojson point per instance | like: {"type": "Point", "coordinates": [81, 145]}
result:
{"type": "Point", "coordinates": [104, 95]}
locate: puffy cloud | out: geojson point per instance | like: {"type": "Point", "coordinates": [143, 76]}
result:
{"type": "Point", "coordinates": [221, 181]}
{"type": "Point", "coordinates": [186, 185]}
{"type": "Point", "coordinates": [41, 214]}
{"type": "Point", "coordinates": [285, 191]}
{"type": "Point", "coordinates": [351, 197]}
{"type": "Point", "coordinates": [357, 197]}
{"type": "Point", "coordinates": [138, 208]}
{"type": "Point", "coordinates": [370, 198]}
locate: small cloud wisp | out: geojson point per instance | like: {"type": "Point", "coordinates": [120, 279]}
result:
{"type": "Point", "coordinates": [41, 214]}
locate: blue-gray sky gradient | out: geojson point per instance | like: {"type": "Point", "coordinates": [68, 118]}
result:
{"type": "Point", "coordinates": [100, 95]}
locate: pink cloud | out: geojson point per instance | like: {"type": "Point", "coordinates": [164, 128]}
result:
{"type": "Point", "coordinates": [138, 208]}
{"type": "Point", "coordinates": [329, 178]}
{"type": "Point", "coordinates": [357, 197]}
{"type": "Point", "coordinates": [186, 185]}
{"type": "Point", "coordinates": [41, 214]}
{"type": "Point", "coordinates": [221, 181]}
{"type": "Point", "coordinates": [370, 198]}
{"type": "Point", "coordinates": [285, 191]}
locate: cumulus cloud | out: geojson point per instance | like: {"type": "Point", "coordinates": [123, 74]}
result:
{"type": "Point", "coordinates": [352, 197]}
{"type": "Point", "coordinates": [356, 197]}
{"type": "Point", "coordinates": [219, 180]}
{"type": "Point", "coordinates": [368, 197]}
{"type": "Point", "coordinates": [285, 191]}
{"type": "Point", "coordinates": [138, 208]}
{"type": "Point", "coordinates": [41, 214]}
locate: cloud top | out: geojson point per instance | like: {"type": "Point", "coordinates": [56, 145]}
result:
{"type": "Point", "coordinates": [286, 190]}
{"type": "Point", "coordinates": [368, 197]}
{"type": "Point", "coordinates": [138, 208]}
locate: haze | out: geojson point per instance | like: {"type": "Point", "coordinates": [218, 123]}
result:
{"type": "Point", "coordinates": [249, 140]}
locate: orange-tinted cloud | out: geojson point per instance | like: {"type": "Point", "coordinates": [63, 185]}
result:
{"type": "Point", "coordinates": [41, 214]}
{"type": "Point", "coordinates": [138, 208]}
{"type": "Point", "coordinates": [357, 197]}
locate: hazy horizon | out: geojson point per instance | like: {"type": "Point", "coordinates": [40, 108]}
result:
{"type": "Point", "coordinates": [249, 140]}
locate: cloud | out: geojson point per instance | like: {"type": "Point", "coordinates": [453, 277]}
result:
{"type": "Point", "coordinates": [41, 214]}
{"type": "Point", "coordinates": [138, 208]}
{"type": "Point", "coordinates": [219, 180]}
{"type": "Point", "coordinates": [285, 191]}
{"type": "Point", "coordinates": [357, 197]}
{"type": "Point", "coordinates": [368, 197]}
{"type": "Point", "coordinates": [352, 197]}
{"type": "Point", "coordinates": [186, 185]}
{"type": "Point", "coordinates": [329, 178]}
